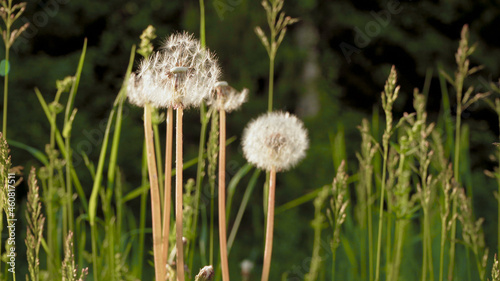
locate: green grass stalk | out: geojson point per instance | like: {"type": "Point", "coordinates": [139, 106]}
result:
{"type": "Point", "coordinates": [69, 116]}
{"type": "Point", "coordinates": [142, 217]}
{"type": "Point", "coordinates": [497, 107]}
{"type": "Point", "coordinates": [388, 97]}
{"type": "Point", "coordinates": [241, 210]}
{"type": "Point", "coordinates": [204, 119]}
{"type": "Point", "coordinates": [8, 25]}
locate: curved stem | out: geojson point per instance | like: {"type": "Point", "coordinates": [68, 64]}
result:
{"type": "Point", "coordinates": [168, 184]}
{"type": "Point", "coordinates": [178, 197]}
{"type": "Point", "coordinates": [270, 226]}
{"type": "Point", "coordinates": [155, 196]}
{"type": "Point", "coordinates": [222, 197]}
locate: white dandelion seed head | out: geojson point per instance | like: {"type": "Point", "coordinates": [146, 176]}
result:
{"type": "Point", "coordinates": [202, 70]}
{"type": "Point", "coordinates": [246, 267]}
{"type": "Point", "coordinates": [275, 139]}
{"type": "Point", "coordinates": [133, 91]}
{"type": "Point", "coordinates": [143, 86]}
{"type": "Point", "coordinates": [226, 97]}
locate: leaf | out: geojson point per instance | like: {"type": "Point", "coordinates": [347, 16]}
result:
{"type": "Point", "coordinates": [135, 193]}
{"type": "Point", "coordinates": [33, 151]}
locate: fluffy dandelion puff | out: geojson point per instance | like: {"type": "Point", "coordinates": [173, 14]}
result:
{"type": "Point", "coordinates": [229, 100]}
{"type": "Point", "coordinates": [182, 73]}
{"type": "Point", "coordinates": [143, 86]}
{"type": "Point", "coordinates": [275, 139]}
{"type": "Point", "coordinates": [201, 70]}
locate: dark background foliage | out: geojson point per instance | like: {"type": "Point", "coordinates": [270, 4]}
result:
{"type": "Point", "coordinates": [314, 79]}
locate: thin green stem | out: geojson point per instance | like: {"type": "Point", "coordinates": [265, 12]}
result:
{"type": "Point", "coordinates": [498, 177]}
{"type": "Point", "coordinates": [441, 254]}
{"type": "Point", "coordinates": [334, 259]}
{"type": "Point", "coordinates": [271, 85]}
{"type": "Point", "coordinates": [142, 220]}
{"type": "Point", "coordinates": [429, 247]}
{"type": "Point", "coordinates": [369, 209]}
{"type": "Point", "coordinates": [6, 81]}
{"type": "Point", "coordinates": [400, 228]}
{"type": "Point", "coordinates": [212, 226]}
{"type": "Point", "coordinates": [204, 118]}
{"type": "Point", "coordinates": [202, 24]}
{"type": "Point", "coordinates": [241, 210]}
{"type": "Point", "coordinates": [93, 233]}
{"type": "Point", "coordinates": [456, 172]}
{"type": "Point", "coordinates": [381, 210]}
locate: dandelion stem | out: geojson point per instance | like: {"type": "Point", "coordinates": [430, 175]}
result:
{"type": "Point", "coordinates": [155, 196]}
{"type": "Point", "coordinates": [222, 196]}
{"type": "Point", "coordinates": [270, 226]}
{"type": "Point", "coordinates": [168, 184]}
{"type": "Point", "coordinates": [178, 197]}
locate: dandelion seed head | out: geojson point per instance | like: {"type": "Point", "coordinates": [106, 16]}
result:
{"type": "Point", "coordinates": [275, 139]}
{"type": "Point", "coordinates": [143, 86]}
{"type": "Point", "coordinates": [189, 89]}
{"type": "Point", "coordinates": [180, 74]}
{"type": "Point", "coordinates": [246, 267]}
{"type": "Point", "coordinates": [206, 274]}
{"type": "Point", "coordinates": [226, 97]}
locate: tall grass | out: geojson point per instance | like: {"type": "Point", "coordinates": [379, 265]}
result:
{"type": "Point", "coordinates": [406, 185]}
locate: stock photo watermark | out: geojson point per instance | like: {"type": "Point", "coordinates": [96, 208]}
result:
{"type": "Point", "coordinates": [11, 223]}
{"type": "Point", "coordinates": [363, 37]}
{"type": "Point", "coordinates": [224, 6]}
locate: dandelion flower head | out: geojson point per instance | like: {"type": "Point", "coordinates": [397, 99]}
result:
{"type": "Point", "coordinates": [226, 97]}
{"type": "Point", "coordinates": [143, 86]}
{"type": "Point", "coordinates": [181, 74]}
{"type": "Point", "coordinates": [197, 68]}
{"type": "Point", "coordinates": [275, 139]}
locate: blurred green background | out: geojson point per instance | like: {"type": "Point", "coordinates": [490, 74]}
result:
{"type": "Point", "coordinates": [315, 79]}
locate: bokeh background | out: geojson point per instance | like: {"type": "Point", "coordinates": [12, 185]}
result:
{"type": "Point", "coordinates": [330, 71]}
